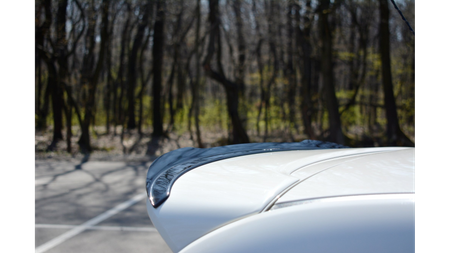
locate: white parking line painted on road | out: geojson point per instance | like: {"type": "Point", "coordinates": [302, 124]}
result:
{"type": "Point", "coordinates": [104, 228]}
{"type": "Point", "coordinates": [90, 223]}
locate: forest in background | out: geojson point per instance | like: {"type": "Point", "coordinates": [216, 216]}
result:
{"type": "Point", "coordinates": [247, 70]}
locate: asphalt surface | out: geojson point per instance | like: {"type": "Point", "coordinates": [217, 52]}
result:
{"type": "Point", "coordinates": [94, 206]}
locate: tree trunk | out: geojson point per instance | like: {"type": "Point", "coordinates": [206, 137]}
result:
{"type": "Point", "coordinates": [327, 73]}
{"type": "Point", "coordinates": [260, 67]}
{"type": "Point", "coordinates": [303, 41]}
{"type": "Point", "coordinates": [239, 135]}
{"type": "Point", "coordinates": [61, 57]}
{"type": "Point", "coordinates": [270, 12]}
{"type": "Point", "coordinates": [109, 84]}
{"type": "Point", "coordinates": [356, 79]}
{"type": "Point", "coordinates": [41, 123]}
{"type": "Point", "coordinates": [394, 133]}
{"type": "Point", "coordinates": [290, 72]}
{"type": "Point", "coordinates": [121, 82]}
{"type": "Point", "coordinates": [41, 33]}
{"type": "Point", "coordinates": [144, 79]}
{"type": "Point", "coordinates": [56, 90]}
{"type": "Point", "coordinates": [196, 88]}
{"type": "Point", "coordinates": [68, 114]}
{"type": "Point", "coordinates": [84, 142]}
{"type": "Point", "coordinates": [57, 102]}
{"type": "Point", "coordinates": [132, 70]}
{"type": "Point", "coordinates": [240, 72]}
{"type": "Point", "coordinates": [158, 56]}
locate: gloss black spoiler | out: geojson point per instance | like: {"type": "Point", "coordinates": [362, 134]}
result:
{"type": "Point", "coordinates": [166, 169]}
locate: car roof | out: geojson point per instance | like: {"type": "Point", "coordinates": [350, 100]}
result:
{"type": "Point", "coordinates": [388, 171]}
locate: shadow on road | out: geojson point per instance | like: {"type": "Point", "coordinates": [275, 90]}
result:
{"type": "Point", "coordinates": [84, 160]}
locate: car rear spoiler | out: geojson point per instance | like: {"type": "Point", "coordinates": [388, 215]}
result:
{"type": "Point", "coordinates": [166, 169]}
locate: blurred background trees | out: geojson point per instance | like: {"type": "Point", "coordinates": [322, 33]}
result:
{"type": "Point", "coordinates": [251, 70]}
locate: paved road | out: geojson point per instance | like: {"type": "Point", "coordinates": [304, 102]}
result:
{"type": "Point", "coordinates": [93, 207]}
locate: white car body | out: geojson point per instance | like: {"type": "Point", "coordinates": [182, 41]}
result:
{"type": "Point", "coordinates": [320, 200]}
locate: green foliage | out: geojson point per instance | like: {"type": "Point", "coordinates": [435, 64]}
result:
{"type": "Point", "coordinates": [213, 113]}
{"type": "Point", "coordinates": [181, 119]}
{"type": "Point", "coordinates": [100, 118]}
{"type": "Point", "coordinates": [351, 117]}
{"type": "Point", "coordinates": [275, 116]}
{"type": "Point", "coordinates": [345, 56]}
{"type": "Point", "coordinates": [374, 59]}
{"type": "Point", "coordinates": [344, 94]}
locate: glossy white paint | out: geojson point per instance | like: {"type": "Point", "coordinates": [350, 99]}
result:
{"type": "Point", "coordinates": [227, 192]}
{"type": "Point", "coordinates": [216, 193]}
{"type": "Point", "coordinates": [371, 225]}
{"type": "Point", "coordinates": [387, 172]}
